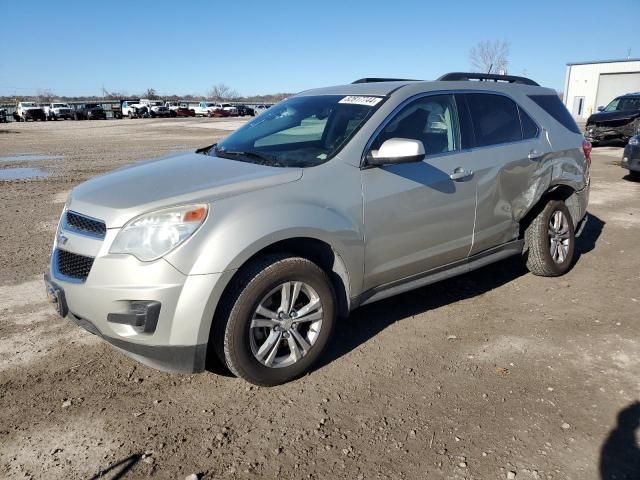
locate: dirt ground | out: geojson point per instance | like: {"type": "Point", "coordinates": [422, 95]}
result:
{"type": "Point", "coordinates": [495, 374]}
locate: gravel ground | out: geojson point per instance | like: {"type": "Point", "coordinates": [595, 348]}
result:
{"type": "Point", "coordinates": [495, 374]}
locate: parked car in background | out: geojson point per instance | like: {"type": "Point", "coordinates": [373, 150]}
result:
{"type": "Point", "coordinates": [244, 110]}
{"type": "Point", "coordinates": [180, 109]}
{"type": "Point", "coordinates": [89, 111]}
{"type": "Point", "coordinates": [631, 157]}
{"type": "Point", "coordinates": [618, 120]}
{"type": "Point", "coordinates": [134, 109]}
{"type": "Point", "coordinates": [156, 108]}
{"type": "Point", "coordinates": [258, 109]}
{"type": "Point", "coordinates": [210, 109]}
{"type": "Point", "coordinates": [29, 111]}
{"type": "Point", "coordinates": [233, 111]}
{"type": "Point", "coordinates": [116, 110]}
{"type": "Point", "coordinates": [54, 111]}
{"type": "Point", "coordinates": [3, 115]}
{"type": "Point", "coordinates": [247, 252]}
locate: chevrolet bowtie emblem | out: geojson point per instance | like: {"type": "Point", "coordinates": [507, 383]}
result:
{"type": "Point", "coordinates": [62, 240]}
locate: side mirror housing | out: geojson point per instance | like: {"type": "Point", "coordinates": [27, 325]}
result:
{"type": "Point", "coordinates": [600, 108]}
{"type": "Point", "coordinates": [397, 150]}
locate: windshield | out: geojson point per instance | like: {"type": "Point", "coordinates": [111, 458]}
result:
{"type": "Point", "coordinates": [299, 132]}
{"type": "Point", "coordinates": [156, 104]}
{"type": "Point", "coordinates": [622, 104]}
{"type": "Point", "coordinates": [92, 105]}
{"type": "Point", "coordinates": [28, 104]}
{"type": "Point", "coordinates": [60, 105]}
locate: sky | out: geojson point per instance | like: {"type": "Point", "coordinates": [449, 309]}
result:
{"type": "Point", "coordinates": [258, 47]}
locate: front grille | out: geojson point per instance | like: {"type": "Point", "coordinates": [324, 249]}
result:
{"type": "Point", "coordinates": [87, 225]}
{"type": "Point", "coordinates": [73, 265]}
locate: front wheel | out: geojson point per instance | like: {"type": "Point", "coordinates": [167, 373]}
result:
{"type": "Point", "coordinates": [633, 175]}
{"type": "Point", "coordinates": [550, 239]}
{"type": "Point", "coordinates": [276, 321]}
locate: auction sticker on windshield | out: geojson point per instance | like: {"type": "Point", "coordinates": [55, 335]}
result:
{"type": "Point", "coordinates": [361, 100]}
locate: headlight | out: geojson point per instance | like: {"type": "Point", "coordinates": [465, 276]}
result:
{"type": "Point", "coordinates": [634, 141]}
{"type": "Point", "coordinates": [153, 235]}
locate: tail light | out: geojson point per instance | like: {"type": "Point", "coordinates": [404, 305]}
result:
{"type": "Point", "coordinates": [586, 149]}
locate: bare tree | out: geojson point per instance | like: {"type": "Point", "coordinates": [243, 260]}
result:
{"type": "Point", "coordinates": [222, 92]}
{"type": "Point", "coordinates": [490, 56]}
{"type": "Point", "coordinates": [151, 94]}
{"type": "Point", "coordinates": [45, 96]}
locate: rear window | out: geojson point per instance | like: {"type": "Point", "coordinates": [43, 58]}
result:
{"type": "Point", "coordinates": [495, 119]}
{"type": "Point", "coordinates": [554, 107]}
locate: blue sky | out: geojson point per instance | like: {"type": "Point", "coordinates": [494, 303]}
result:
{"type": "Point", "coordinates": [185, 47]}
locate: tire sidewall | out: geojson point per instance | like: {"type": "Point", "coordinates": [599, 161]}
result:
{"type": "Point", "coordinates": [552, 207]}
{"type": "Point", "coordinates": [237, 347]}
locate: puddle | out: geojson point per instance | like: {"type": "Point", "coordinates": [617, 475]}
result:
{"type": "Point", "coordinates": [22, 173]}
{"type": "Point", "coordinates": [30, 157]}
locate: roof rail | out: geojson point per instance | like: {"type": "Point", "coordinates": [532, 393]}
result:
{"type": "Point", "coordinates": [464, 76]}
{"type": "Point", "coordinates": [375, 80]}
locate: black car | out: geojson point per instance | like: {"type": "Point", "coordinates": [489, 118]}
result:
{"type": "Point", "coordinates": [618, 120]}
{"type": "Point", "coordinates": [90, 111]}
{"type": "Point", "coordinates": [245, 110]}
{"type": "Point", "coordinates": [631, 158]}
{"type": "Point", "coordinates": [3, 115]}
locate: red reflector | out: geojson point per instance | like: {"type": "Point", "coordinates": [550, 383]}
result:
{"type": "Point", "coordinates": [586, 149]}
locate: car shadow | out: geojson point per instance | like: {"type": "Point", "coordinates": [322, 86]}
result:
{"type": "Point", "coordinates": [628, 178]}
{"type": "Point", "coordinates": [590, 234]}
{"type": "Point", "coordinates": [119, 469]}
{"type": "Point", "coordinates": [369, 320]}
{"type": "Point", "coordinates": [620, 455]}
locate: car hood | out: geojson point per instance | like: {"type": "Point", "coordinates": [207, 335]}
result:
{"type": "Point", "coordinates": [613, 116]}
{"type": "Point", "coordinates": [118, 196]}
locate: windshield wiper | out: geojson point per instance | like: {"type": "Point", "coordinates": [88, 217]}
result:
{"type": "Point", "coordinates": [262, 158]}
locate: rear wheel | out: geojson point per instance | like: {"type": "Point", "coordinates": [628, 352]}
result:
{"type": "Point", "coordinates": [276, 321]}
{"type": "Point", "coordinates": [550, 239]}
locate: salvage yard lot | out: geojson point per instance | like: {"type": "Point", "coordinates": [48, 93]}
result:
{"type": "Point", "coordinates": [493, 372]}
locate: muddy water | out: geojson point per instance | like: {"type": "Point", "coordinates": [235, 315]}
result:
{"type": "Point", "coordinates": [22, 173]}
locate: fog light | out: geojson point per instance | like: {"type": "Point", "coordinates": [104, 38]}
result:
{"type": "Point", "coordinates": [142, 314]}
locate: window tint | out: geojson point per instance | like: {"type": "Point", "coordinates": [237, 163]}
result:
{"type": "Point", "coordinates": [433, 120]}
{"type": "Point", "coordinates": [529, 127]}
{"type": "Point", "coordinates": [554, 107]}
{"type": "Point", "coordinates": [495, 119]}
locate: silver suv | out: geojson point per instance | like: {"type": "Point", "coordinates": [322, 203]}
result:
{"type": "Point", "coordinates": [246, 252]}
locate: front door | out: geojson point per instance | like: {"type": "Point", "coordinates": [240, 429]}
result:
{"type": "Point", "coordinates": [416, 217]}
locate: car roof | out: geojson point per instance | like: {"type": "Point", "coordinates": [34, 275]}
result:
{"type": "Point", "coordinates": [387, 88]}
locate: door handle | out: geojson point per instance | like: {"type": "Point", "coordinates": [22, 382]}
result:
{"type": "Point", "coordinates": [534, 155]}
{"type": "Point", "coordinates": [460, 174]}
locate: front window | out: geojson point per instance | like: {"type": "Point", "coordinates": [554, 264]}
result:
{"type": "Point", "coordinates": [59, 105]}
{"type": "Point", "coordinates": [301, 131]}
{"type": "Point", "coordinates": [28, 104]}
{"type": "Point", "coordinates": [622, 104]}
{"type": "Point", "coordinates": [433, 120]}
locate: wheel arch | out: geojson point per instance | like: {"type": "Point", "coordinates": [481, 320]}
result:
{"type": "Point", "coordinates": [558, 191]}
{"type": "Point", "coordinates": [318, 251]}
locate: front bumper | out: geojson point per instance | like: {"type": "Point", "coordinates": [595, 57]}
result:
{"type": "Point", "coordinates": [631, 158]}
{"type": "Point", "coordinates": [115, 283]}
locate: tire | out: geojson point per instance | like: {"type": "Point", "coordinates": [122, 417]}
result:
{"type": "Point", "coordinates": [542, 258]}
{"type": "Point", "coordinates": [633, 175]}
{"type": "Point", "coordinates": [239, 345]}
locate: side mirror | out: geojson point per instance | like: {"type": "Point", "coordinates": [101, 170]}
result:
{"type": "Point", "coordinates": [397, 150]}
{"type": "Point", "coordinates": [600, 108]}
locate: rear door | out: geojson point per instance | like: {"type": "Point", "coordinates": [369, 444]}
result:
{"type": "Point", "coordinates": [508, 149]}
{"type": "Point", "coordinates": [416, 217]}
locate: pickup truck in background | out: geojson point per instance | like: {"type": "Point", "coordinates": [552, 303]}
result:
{"type": "Point", "coordinates": [207, 109]}
{"type": "Point", "coordinates": [180, 109]}
{"type": "Point", "coordinates": [134, 109]}
{"type": "Point", "coordinates": [28, 111]}
{"type": "Point", "coordinates": [54, 111]}
{"type": "Point", "coordinates": [156, 108]}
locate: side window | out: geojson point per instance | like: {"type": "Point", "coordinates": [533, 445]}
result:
{"type": "Point", "coordinates": [433, 120]}
{"type": "Point", "coordinates": [529, 127]}
{"type": "Point", "coordinates": [495, 119]}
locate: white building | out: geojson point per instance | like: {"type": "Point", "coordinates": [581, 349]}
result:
{"type": "Point", "coordinates": [589, 85]}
